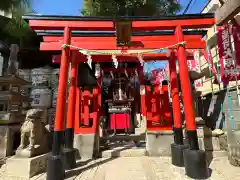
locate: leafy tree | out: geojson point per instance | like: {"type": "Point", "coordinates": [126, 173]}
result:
{"type": "Point", "coordinates": [16, 27]}
{"type": "Point", "coordinates": [10, 5]}
{"type": "Point", "coordinates": [130, 7]}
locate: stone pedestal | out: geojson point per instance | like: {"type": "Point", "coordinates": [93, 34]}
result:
{"type": "Point", "coordinates": [26, 167]}
{"type": "Point", "coordinates": [8, 140]}
{"type": "Point", "coordinates": [86, 145]}
{"type": "Point", "coordinates": [234, 147]}
{"type": "Point", "coordinates": [159, 143]}
{"type": "Point", "coordinates": [35, 151]}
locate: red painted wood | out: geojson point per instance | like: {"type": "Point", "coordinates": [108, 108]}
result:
{"type": "Point", "coordinates": [72, 93]}
{"type": "Point", "coordinates": [185, 83]}
{"type": "Point", "coordinates": [63, 79]}
{"type": "Point", "coordinates": [120, 121]}
{"type": "Point", "coordinates": [109, 25]}
{"type": "Point", "coordinates": [102, 45]}
{"type": "Point", "coordinates": [175, 92]}
{"type": "Point", "coordinates": [113, 38]}
{"type": "Point", "coordinates": [82, 115]}
{"type": "Point", "coordinates": [158, 109]}
{"type": "Point", "coordinates": [86, 100]}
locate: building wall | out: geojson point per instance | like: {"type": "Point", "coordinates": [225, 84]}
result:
{"type": "Point", "coordinates": [214, 106]}
{"type": "Point", "coordinates": [211, 38]}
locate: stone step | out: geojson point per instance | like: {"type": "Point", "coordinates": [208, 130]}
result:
{"type": "Point", "coordinates": [123, 137]}
{"type": "Point", "coordinates": [139, 152]}
{"type": "Point", "coordinates": [124, 151]}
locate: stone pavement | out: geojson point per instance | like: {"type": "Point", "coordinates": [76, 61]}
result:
{"type": "Point", "coordinates": [139, 168]}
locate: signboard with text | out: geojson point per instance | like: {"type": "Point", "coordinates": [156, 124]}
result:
{"type": "Point", "coordinates": [227, 69]}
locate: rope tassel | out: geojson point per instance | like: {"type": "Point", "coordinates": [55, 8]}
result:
{"type": "Point", "coordinates": [115, 62]}
{"type": "Point", "coordinates": [140, 58]}
{"type": "Point", "coordinates": [89, 60]}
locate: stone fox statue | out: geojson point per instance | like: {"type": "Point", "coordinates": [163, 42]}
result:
{"type": "Point", "coordinates": [32, 129]}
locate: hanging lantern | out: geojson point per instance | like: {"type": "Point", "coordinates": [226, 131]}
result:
{"type": "Point", "coordinates": [123, 32]}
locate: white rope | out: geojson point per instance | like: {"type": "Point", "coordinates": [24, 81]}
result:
{"type": "Point", "coordinates": [89, 60]}
{"type": "Point", "coordinates": [95, 52]}
{"type": "Point", "coordinates": [140, 58]}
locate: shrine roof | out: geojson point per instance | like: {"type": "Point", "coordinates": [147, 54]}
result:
{"type": "Point", "coordinates": [132, 18]}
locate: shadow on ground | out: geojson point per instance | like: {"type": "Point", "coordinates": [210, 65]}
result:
{"type": "Point", "coordinates": [89, 164]}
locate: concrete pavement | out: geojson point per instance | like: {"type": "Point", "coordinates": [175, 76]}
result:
{"type": "Point", "coordinates": [139, 168]}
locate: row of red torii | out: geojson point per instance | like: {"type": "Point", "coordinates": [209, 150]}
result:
{"type": "Point", "coordinates": [193, 159]}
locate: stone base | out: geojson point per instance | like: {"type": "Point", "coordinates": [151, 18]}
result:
{"type": "Point", "coordinates": [209, 140]}
{"type": "Point", "coordinates": [159, 143]}
{"type": "Point", "coordinates": [209, 143]}
{"type": "Point", "coordinates": [8, 139]}
{"type": "Point", "coordinates": [234, 147]}
{"type": "Point", "coordinates": [26, 153]}
{"type": "Point", "coordinates": [26, 167]}
{"type": "Point", "coordinates": [140, 131]}
{"type": "Point", "coordinates": [177, 154]}
{"type": "Point", "coordinates": [234, 155]}
{"type": "Point", "coordinates": [85, 145]}
{"type": "Point", "coordinates": [195, 164]}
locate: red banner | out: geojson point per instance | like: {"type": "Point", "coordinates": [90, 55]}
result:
{"type": "Point", "coordinates": [196, 67]}
{"type": "Point", "coordinates": [236, 37]}
{"type": "Point", "coordinates": [207, 55]}
{"type": "Point", "coordinates": [226, 54]}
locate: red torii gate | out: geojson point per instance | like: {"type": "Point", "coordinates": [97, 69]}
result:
{"type": "Point", "coordinates": [53, 41]}
{"type": "Point", "coordinates": [176, 23]}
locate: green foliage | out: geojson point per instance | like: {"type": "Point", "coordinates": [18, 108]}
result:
{"type": "Point", "coordinates": [113, 8]}
{"type": "Point", "coordinates": [13, 5]}
{"type": "Point", "coordinates": [16, 27]}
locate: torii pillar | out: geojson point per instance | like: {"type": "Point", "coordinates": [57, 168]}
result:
{"type": "Point", "coordinates": [69, 153]}
{"type": "Point", "coordinates": [55, 168]}
{"type": "Point", "coordinates": [194, 159]}
{"type": "Point", "coordinates": [177, 147]}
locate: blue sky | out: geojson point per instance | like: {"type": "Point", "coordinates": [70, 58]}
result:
{"type": "Point", "coordinates": [71, 7]}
